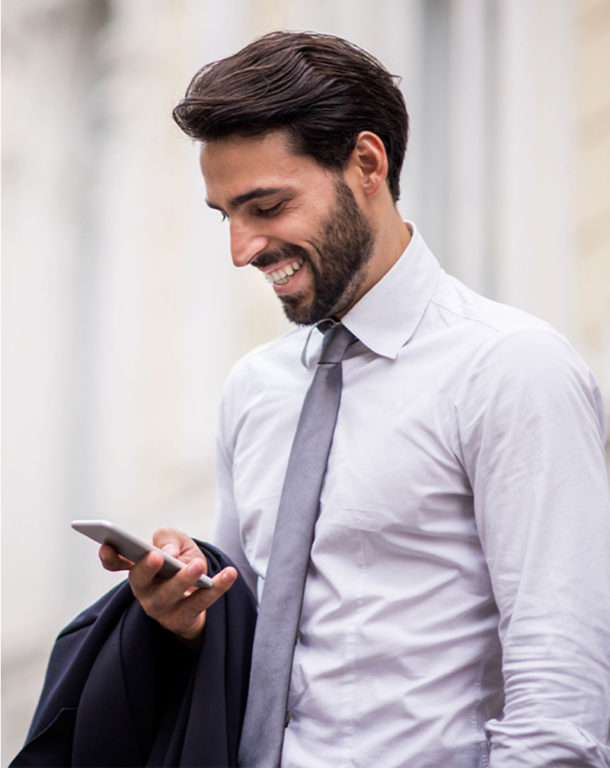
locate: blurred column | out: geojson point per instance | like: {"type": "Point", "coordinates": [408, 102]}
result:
{"type": "Point", "coordinates": [592, 211]}
{"type": "Point", "coordinates": [468, 135]}
{"type": "Point", "coordinates": [534, 169]}
{"type": "Point", "coordinates": [47, 157]}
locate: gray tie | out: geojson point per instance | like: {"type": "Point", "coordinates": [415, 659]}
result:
{"type": "Point", "coordinates": [280, 610]}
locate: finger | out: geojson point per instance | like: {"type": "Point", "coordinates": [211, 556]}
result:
{"type": "Point", "coordinates": [111, 560]}
{"type": "Point", "coordinates": [162, 596]}
{"type": "Point", "coordinates": [225, 579]}
{"type": "Point", "coordinates": [188, 555]}
{"type": "Point", "coordinates": [143, 575]}
{"type": "Point", "coordinates": [175, 543]}
{"type": "Point", "coordinates": [188, 620]}
{"type": "Point", "coordinates": [180, 594]}
{"type": "Point", "coordinates": [201, 599]}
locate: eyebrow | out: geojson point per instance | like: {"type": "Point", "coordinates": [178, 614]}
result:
{"type": "Point", "coordinates": [253, 194]}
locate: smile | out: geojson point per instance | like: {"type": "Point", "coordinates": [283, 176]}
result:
{"type": "Point", "coordinates": [281, 276]}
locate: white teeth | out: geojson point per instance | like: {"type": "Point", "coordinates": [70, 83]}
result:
{"type": "Point", "coordinates": [280, 276]}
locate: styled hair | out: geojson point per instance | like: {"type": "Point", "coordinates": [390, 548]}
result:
{"type": "Point", "coordinates": [323, 90]}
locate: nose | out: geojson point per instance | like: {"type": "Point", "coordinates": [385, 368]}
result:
{"type": "Point", "coordinates": [246, 242]}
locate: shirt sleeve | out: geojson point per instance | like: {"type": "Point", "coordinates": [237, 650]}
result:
{"type": "Point", "coordinates": [225, 530]}
{"type": "Point", "coordinates": [531, 428]}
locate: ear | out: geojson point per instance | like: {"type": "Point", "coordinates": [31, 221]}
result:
{"type": "Point", "coordinates": [368, 163]}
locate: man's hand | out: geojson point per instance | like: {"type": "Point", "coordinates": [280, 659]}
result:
{"type": "Point", "coordinates": [175, 603]}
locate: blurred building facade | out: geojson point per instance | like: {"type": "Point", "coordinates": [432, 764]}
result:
{"type": "Point", "coordinates": [121, 311]}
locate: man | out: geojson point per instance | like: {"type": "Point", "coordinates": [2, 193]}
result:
{"type": "Point", "coordinates": [456, 607]}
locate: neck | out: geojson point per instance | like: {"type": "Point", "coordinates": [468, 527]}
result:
{"type": "Point", "coordinates": [390, 242]}
{"type": "Point", "coordinates": [393, 236]}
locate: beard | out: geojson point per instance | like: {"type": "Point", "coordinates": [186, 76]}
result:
{"type": "Point", "coordinates": [343, 249]}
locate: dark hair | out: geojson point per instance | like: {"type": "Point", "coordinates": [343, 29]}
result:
{"type": "Point", "coordinates": [322, 89]}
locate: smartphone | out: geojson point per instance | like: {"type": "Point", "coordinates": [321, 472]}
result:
{"type": "Point", "coordinates": [131, 547]}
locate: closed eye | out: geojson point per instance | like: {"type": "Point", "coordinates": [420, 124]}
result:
{"type": "Point", "coordinates": [269, 212]}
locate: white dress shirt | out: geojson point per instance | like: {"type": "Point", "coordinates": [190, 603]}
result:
{"type": "Point", "coordinates": [457, 606]}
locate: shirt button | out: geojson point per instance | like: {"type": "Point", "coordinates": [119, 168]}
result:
{"type": "Point", "coordinates": [287, 719]}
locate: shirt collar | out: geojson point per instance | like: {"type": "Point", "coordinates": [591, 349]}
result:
{"type": "Point", "coordinates": [387, 315]}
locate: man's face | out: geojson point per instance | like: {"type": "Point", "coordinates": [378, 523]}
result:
{"type": "Point", "coordinates": [292, 219]}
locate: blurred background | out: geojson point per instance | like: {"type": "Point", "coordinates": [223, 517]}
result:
{"type": "Point", "coordinates": [121, 311]}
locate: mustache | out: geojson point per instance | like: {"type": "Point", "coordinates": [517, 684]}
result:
{"type": "Point", "coordinates": [269, 258]}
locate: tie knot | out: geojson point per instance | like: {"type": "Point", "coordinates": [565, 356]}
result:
{"type": "Point", "coordinates": [337, 339]}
